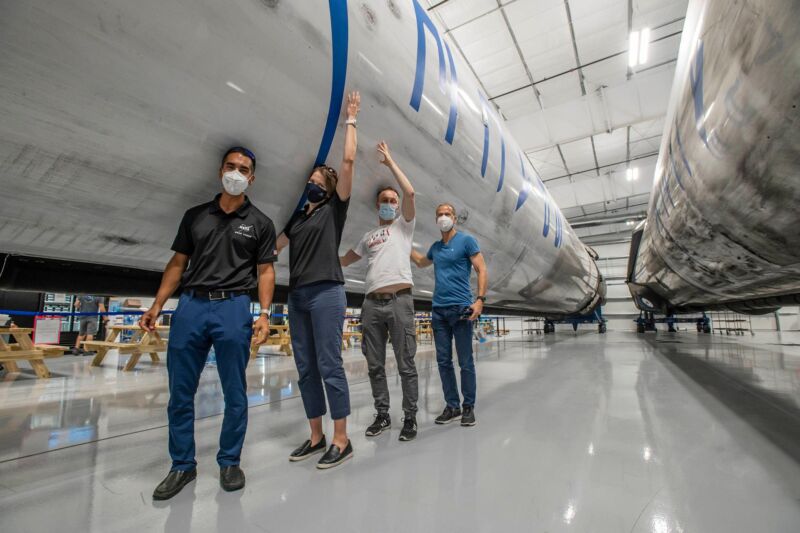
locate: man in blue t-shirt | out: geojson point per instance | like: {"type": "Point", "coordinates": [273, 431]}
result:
{"type": "Point", "coordinates": [454, 310]}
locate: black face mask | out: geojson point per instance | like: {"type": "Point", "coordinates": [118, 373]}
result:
{"type": "Point", "coordinates": [315, 193]}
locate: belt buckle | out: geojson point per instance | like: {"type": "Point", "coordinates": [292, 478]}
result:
{"type": "Point", "coordinates": [224, 295]}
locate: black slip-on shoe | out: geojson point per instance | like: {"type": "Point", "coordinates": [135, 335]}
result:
{"type": "Point", "coordinates": [334, 456]}
{"type": "Point", "coordinates": [382, 423]}
{"type": "Point", "coordinates": [448, 415]}
{"type": "Point", "coordinates": [306, 450]}
{"type": "Point", "coordinates": [468, 417]}
{"type": "Point", "coordinates": [231, 478]}
{"type": "Point", "coordinates": [409, 431]}
{"type": "Point", "coordinates": [173, 483]}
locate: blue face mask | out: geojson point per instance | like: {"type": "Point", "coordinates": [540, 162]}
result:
{"type": "Point", "coordinates": [315, 193]}
{"type": "Point", "coordinates": [387, 212]}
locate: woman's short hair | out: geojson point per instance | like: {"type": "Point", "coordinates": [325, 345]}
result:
{"type": "Point", "coordinates": [330, 176]}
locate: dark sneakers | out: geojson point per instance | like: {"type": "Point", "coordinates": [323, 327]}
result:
{"type": "Point", "coordinates": [448, 415]}
{"type": "Point", "coordinates": [306, 450]}
{"type": "Point", "coordinates": [173, 483]}
{"type": "Point", "coordinates": [334, 456]}
{"type": "Point", "coordinates": [382, 423]}
{"type": "Point", "coordinates": [231, 478]}
{"type": "Point", "coordinates": [409, 431]}
{"type": "Point", "coordinates": [468, 418]}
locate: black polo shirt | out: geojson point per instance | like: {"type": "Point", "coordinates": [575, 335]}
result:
{"type": "Point", "coordinates": [224, 249]}
{"type": "Point", "coordinates": [314, 243]}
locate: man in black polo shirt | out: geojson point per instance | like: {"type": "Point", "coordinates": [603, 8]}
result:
{"type": "Point", "coordinates": [224, 249]}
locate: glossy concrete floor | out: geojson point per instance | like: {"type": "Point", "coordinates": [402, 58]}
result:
{"type": "Point", "coordinates": [576, 432]}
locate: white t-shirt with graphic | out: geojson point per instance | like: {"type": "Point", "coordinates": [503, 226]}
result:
{"type": "Point", "coordinates": [388, 252]}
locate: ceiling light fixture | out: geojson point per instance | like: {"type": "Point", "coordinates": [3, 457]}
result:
{"type": "Point", "coordinates": [632, 174]}
{"type": "Point", "coordinates": [638, 44]}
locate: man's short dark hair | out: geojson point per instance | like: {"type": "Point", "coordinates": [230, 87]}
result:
{"type": "Point", "coordinates": [240, 150]}
{"type": "Point", "coordinates": [387, 188]}
{"type": "Point", "coordinates": [446, 204]}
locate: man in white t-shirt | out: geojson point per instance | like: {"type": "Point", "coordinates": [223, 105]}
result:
{"type": "Point", "coordinates": [388, 308]}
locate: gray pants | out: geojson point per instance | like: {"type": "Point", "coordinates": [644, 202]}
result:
{"type": "Point", "coordinates": [379, 319]}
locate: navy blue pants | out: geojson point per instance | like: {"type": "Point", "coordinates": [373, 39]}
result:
{"type": "Point", "coordinates": [316, 318]}
{"type": "Point", "coordinates": [196, 325]}
{"type": "Point", "coordinates": [447, 325]}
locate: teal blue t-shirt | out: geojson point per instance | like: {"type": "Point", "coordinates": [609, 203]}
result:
{"type": "Point", "coordinates": [452, 268]}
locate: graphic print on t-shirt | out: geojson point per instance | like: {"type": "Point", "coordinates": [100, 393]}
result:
{"type": "Point", "coordinates": [378, 237]}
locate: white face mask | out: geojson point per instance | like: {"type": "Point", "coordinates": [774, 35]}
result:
{"type": "Point", "coordinates": [234, 183]}
{"type": "Point", "coordinates": [445, 223]}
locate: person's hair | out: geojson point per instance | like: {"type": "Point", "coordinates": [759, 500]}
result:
{"type": "Point", "coordinates": [240, 150]}
{"type": "Point", "coordinates": [330, 175]}
{"type": "Point", "coordinates": [386, 188]}
{"type": "Point", "coordinates": [452, 208]}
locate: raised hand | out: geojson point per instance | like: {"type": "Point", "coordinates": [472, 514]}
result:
{"type": "Point", "coordinates": [383, 149]}
{"type": "Point", "coordinates": [353, 104]}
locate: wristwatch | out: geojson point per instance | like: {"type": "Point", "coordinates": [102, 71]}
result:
{"type": "Point", "coordinates": [481, 298]}
{"type": "Point", "coordinates": [263, 313]}
{"type": "Point", "coordinates": [350, 121]}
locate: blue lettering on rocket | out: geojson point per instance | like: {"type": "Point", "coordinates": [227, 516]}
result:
{"type": "Point", "coordinates": [502, 163]}
{"type": "Point", "coordinates": [546, 227]}
{"type": "Point", "coordinates": [423, 22]}
{"type": "Point", "coordinates": [451, 120]}
{"type": "Point", "coordinates": [523, 193]}
{"type": "Point", "coordinates": [696, 79]}
{"type": "Point", "coordinates": [558, 231]}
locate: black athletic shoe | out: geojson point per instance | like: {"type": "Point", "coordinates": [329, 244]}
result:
{"type": "Point", "coordinates": [173, 483]}
{"type": "Point", "coordinates": [231, 478]}
{"type": "Point", "coordinates": [382, 423]}
{"type": "Point", "coordinates": [448, 415]}
{"type": "Point", "coordinates": [468, 418]}
{"type": "Point", "coordinates": [306, 450]}
{"type": "Point", "coordinates": [409, 431]}
{"type": "Point", "coordinates": [334, 456]}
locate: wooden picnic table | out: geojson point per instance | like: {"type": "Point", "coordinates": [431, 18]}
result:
{"type": "Point", "coordinates": [424, 328]}
{"type": "Point", "coordinates": [348, 336]}
{"type": "Point", "coordinates": [281, 338]}
{"type": "Point", "coordinates": [142, 341]}
{"type": "Point", "coordinates": [25, 350]}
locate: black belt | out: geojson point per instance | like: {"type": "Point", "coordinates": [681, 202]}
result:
{"type": "Point", "coordinates": [387, 295]}
{"type": "Point", "coordinates": [214, 295]}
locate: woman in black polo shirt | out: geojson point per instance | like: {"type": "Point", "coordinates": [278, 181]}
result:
{"type": "Point", "coordinates": [317, 300]}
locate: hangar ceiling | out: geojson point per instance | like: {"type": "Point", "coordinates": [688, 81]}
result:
{"type": "Point", "coordinates": [559, 72]}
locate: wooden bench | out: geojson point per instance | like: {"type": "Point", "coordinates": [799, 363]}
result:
{"type": "Point", "coordinates": [348, 336]}
{"type": "Point", "coordinates": [424, 329]}
{"type": "Point", "coordinates": [25, 350]}
{"type": "Point", "coordinates": [141, 342]}
{"type": "Point", "coordinates": [282, 339]}
{"type": "Point", "coordinates": [50, 350]}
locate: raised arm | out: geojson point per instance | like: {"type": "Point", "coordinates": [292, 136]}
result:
{"type": "Point", "coordinates": [345, 184]}
{"type": "Point", "coordinates": [408, 206]}
{"type": "Point", "coordinates": [169, 283]}
{"type": "Point", "coordinates": [420, 260]}
{"type": "Point", "coordinates": [349, 258]}
{"type": "Point", "coordinates": [483, 281]}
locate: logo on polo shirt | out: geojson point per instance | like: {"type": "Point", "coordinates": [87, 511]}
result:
{"type": "Point", "coordinates": [245, 231]}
